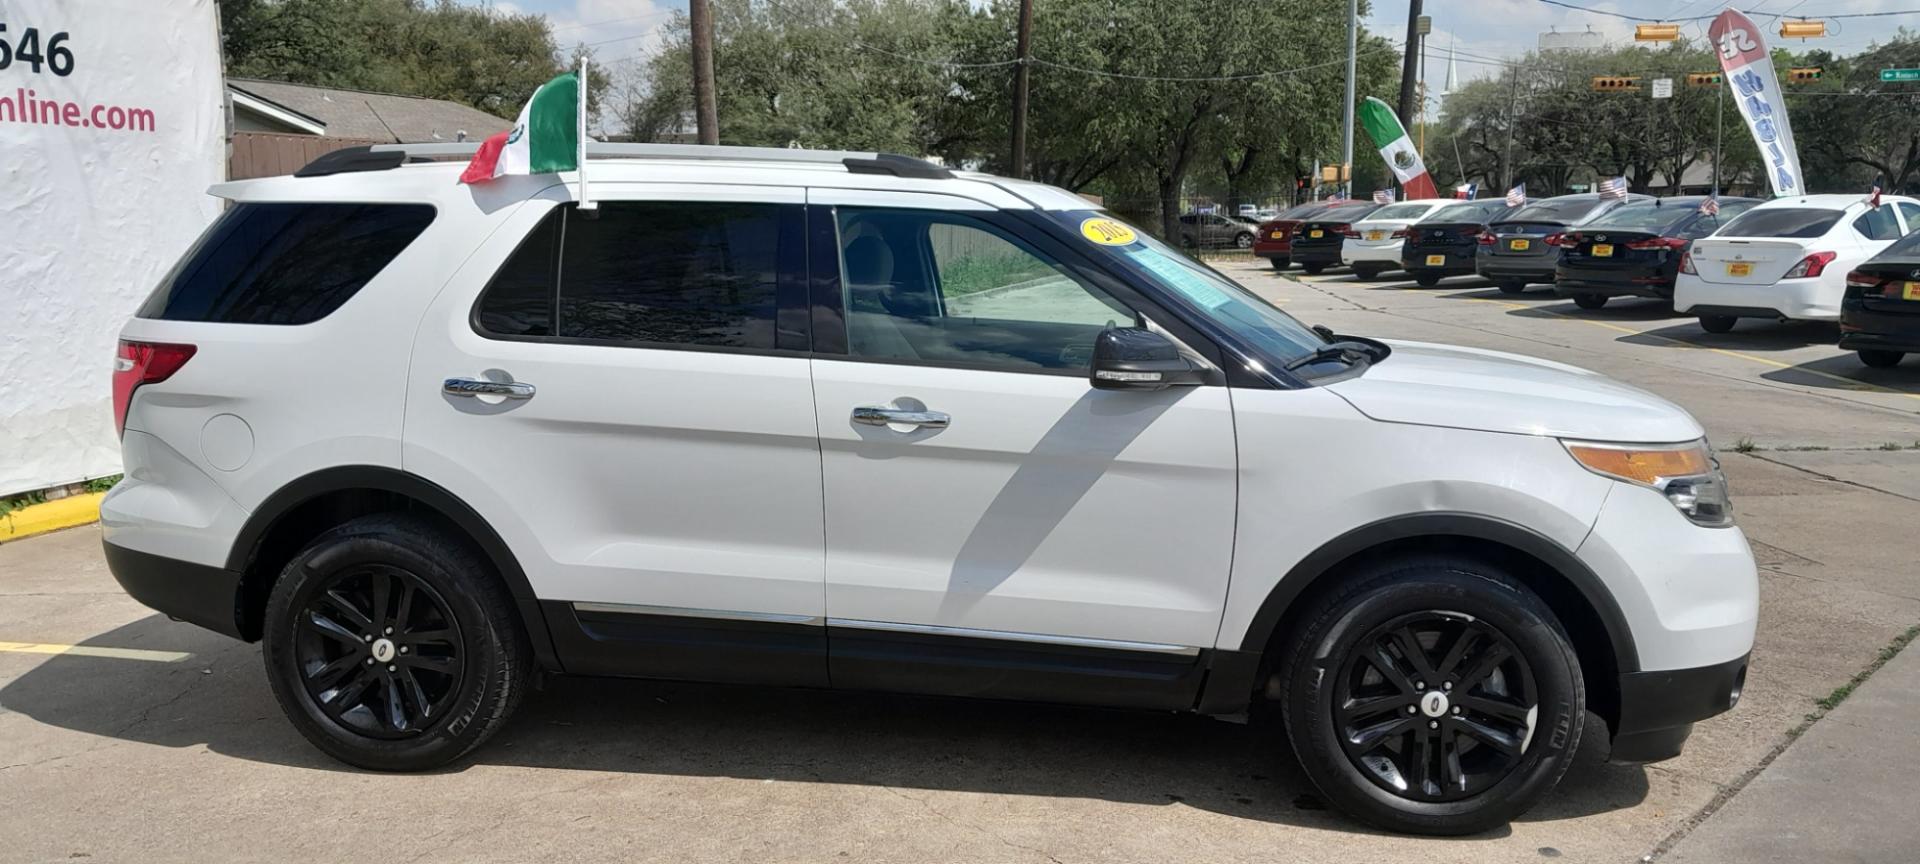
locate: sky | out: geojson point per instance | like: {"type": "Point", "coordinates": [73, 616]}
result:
{"type": "Point", "coordinates": [625, 32]}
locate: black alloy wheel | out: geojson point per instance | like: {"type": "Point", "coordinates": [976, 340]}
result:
{"type": "Point", "coordinates": [1435, 706]}
{"type": "Point", "coordinates": [391, 644]}
{"type": "Point", "coordinates": [379, 651]}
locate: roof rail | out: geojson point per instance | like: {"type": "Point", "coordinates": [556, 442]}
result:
{"type": "Point", "coordinates": [380, 157]}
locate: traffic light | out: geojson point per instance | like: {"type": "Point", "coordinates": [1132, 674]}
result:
{"type": "Point", "coordinates": [1803, 74]}
{"type": "Point", "coordinates": [1703, 79]}
{"type": "Point", "coordinates": [1615, 83]}
{"type": "Point", "coordinates": [1803, 29]}
{"type": "Point", "coordinates": [1656, 32]}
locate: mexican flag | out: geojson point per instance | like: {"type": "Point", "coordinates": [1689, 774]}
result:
{"type": "Point", "coordinates": [544, 140]}
{"type": "Point", "coordinates": [1395, 147]}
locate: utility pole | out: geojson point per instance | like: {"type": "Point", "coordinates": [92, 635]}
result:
{"type": "Point", "coordinates": [706, 109]}
{"type": "Point", "coordinates": [1407, 74]}
{"type": "Point", "coordinates": [1719, 100]}
{"type": "Point", "coordinates": [1017, 162]}
{"type": "Point", "coordinates": [1513, 104]}
{"type": "Point", "coordinates": [1346, 135]}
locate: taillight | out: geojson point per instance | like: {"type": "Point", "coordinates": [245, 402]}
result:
{"type": "Point", "coordinates": [139, 363]}
{"type": "Point", "coordinates": [1658, 243]}
{"type": "Point", "coordinates": [1564, 241]}
{"type": "Point", "coordinates": [1810, 266]}
{"type": "Point", "coordinates": [1686, 263]}
{"type": "Point", "coordinates": [1860, 282]}
{"type": "Point", "coordinates": [1346, 231]}
{"type": "Point", "coordinates": [1401, 233]}
{"type": "Point", "coordinates": [1484, 238]}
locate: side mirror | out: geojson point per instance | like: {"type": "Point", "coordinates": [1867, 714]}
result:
{"type": "Point", "coordinates": [1134, 358]}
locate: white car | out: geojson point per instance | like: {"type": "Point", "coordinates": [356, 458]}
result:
{"type": "Point", "coordinates": [851, 420]}
{"type": "Point", "coordinates": [1373, 244]}
{"type": "Point", "coordinates": [1787, 258]}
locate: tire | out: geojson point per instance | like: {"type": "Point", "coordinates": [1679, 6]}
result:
{"type": "Point", "coordinates": [1427, 280]}
{"type": "Point", "coordinates": [1280, 263]}
{"type": "Point", "coordinates": [1717, 323]}
{"type": "Point", "coordinates": [1589, 301]}
{"type": "Point", "coordinates": [1314, 269]}
{"type": "Point", "coordinates": [1366, 273]}
{"type": "Point", "coordinates": [468, 664]}
{"type": "Point", "coordinates": [1881, 359]}
{"type": "Point", "coordinates": [1243, 241]}
{"type": "Point", "coordinates": [1509, 286]}
{"type": "Point", "coordinates": [1328, 666]}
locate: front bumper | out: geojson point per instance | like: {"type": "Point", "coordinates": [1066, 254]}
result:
{"type": "Point", "coordinates": [1814, 299]}
{"type": "Point", "coordinates": [1658, 709]}
{"type": "Point", "coordinates": [194, 593]}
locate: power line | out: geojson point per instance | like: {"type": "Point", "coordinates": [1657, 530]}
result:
{"type": "Point", "coordinates": [1776, 15]}
{"type": "Point", "coordinates": [1277, 73]}
{"type": "Point", "coordinates": [588, 24]}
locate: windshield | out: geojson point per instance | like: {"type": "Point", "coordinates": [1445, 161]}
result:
{"type": "Point", "coordinates": [1644, 216]}
{"type": "Point", "coordinates": [1279, 337]}
{"type": "Point", "coordinates": [1790, 222]}
{"type": "Point", "coordinates": [1471, 211]}
{"type": "Point", "coordinates": [1401, 211]}
{"type": "Point", "coordinates": [1552, 210]}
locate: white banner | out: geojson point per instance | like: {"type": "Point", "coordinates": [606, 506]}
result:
{"type": "Point", "coordinates": [111, 130]}
{"type": "Point", "coordinates": [1749, 76]}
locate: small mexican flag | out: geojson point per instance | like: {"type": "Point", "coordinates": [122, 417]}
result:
{"type": "Point", "coordinates": [1397, 149]}
{"type": "Point", "coordinates": [544, 140]}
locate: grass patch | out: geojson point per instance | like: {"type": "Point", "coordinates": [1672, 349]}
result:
{"type": "Point", "coordinates": [28, 499]}
{"type": "Point", "coordinates": [984, 271]}
{"type": "Point", "coordinates": [1893, 445]}
{"type": "Point", "coordinates": [1744, 445]}
{"type": "Point", "coordinates": [1840, 693]}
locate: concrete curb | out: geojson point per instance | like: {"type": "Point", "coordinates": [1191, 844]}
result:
{"type": "Point", "coordinates": [51, 516]}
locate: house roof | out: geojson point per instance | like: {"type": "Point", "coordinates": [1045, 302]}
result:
{"type": "Point", "coordinates": [378, 116]}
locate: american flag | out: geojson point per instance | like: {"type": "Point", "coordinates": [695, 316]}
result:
{"type": "Point", "coordinates": [1466, 191]}
{"type": "Point", "coordinates": [1873, 197]}
{"type": "Point", "coordinates": [1711, 206]}
{"type": "Point", "coordinates": [1613, 189]}
{"type": "Point", "coordinates": [1383, 196]}
{"type": "Point", "coordinates": [1517, 195]}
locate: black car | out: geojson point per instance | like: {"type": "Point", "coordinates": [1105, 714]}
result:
{"type": "Point", "coordinates": [1443, 244]}
{"type": "Point", "coordinates": [1317, 242]}
{"type": "Point", "coordinates": [1635, 249]}
{"type": "Point", "coordinates": [1524, 246]}
{"type": "Point", "coordinates": [1880, 313]}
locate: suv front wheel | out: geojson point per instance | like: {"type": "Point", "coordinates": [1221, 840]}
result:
{"type": "Point", "coordinates": [391, 646]}
{"type": "Point", "coordinates": [1433, 696]}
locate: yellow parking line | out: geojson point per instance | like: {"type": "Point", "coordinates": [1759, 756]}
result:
{"type": "Point", "coordinates": [95, 651]}
{"type": "Point", "coordinates": [1851, 384]}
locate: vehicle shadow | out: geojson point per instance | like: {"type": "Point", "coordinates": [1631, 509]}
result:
{"type": "Point", "coordinates": [1846, 372]}
{"type": "Point", "coordinates": [1451, 283]}
{"type": "Point", "coordinates": [219, 698]}
{"type": "Point", "coordinates": [1749, 336]}
{"type": "Point", "coordinates": [1619, 309]}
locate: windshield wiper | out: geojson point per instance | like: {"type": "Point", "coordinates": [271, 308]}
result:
{"type": "Point", "coordinates": [1346, 351]}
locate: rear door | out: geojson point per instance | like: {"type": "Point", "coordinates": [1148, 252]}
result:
{"type": "Point", "coordinates": [994, 525]}
{"type": "Point", "coordinates": [619, 395]}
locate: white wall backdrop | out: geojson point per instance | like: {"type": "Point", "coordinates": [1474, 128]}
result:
{"type": "Point", "coordinates": [106, 152]}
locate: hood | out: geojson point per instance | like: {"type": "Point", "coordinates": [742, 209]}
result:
{"type": "Point", "coordinates": [1492, 391]}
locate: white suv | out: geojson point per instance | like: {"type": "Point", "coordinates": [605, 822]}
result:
{"type": "Point", "coordinates": [857, 421]}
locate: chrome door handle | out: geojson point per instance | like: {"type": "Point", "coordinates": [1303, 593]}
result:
{"type": "Point", "coordinates": [880, 415]}
{"type": "Point", "coordinates": [476, 387]}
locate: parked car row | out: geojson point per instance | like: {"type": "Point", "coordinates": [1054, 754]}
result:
{"type": "Point", "coordinates": [1808, 258]}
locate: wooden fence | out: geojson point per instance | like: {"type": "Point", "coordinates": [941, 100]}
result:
{"type": "Point", "coordinates": [268, 154]}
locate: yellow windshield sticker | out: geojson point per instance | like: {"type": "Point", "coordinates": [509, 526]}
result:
{"type": "Point", "coordinates": [1107, 232]}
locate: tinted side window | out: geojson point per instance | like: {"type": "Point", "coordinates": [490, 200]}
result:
{"type": "Point", "coordinates": [670, 272]}
{"type": "Point", "coordinates": [285, 263]}
{"type": "Point", "coordinates": [519, 301]}
{"type": "Point", "coordinates": [1912, 214]}
{"type": "Point", "coordinates": [1878, 224]}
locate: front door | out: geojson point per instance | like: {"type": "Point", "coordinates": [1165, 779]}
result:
{"type": "Point", "coordinates": [625, 404]}
{"type": "Point", "coordinates": [994, 525]}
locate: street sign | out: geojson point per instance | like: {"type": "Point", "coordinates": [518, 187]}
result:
{"type": "Point", "coordinates": [1663, 88]}
{"type": "Point", "coordinates": [1900, 74]}
{"type": "Point", "coordinates": [1576, 187]}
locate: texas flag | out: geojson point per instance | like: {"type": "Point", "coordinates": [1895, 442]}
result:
{"type": "Point", "coordinates": [1397, 149]}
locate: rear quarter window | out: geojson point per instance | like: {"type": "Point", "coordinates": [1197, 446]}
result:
{"type": "Point", "coordinates": [285, 263]}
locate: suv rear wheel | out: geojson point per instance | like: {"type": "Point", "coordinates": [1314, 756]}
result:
{"type": "Point", "coordinates": [391, 646]}
{"type": "Point", "coordinates": [1433, 696]}
{"type": "Point", "coordinates": [1880, 359]}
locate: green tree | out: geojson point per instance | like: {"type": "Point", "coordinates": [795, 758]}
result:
{"type": "Point", "coordinates": [479, 56]}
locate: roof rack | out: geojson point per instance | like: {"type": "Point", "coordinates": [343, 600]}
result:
{"type": "Point", "coordinates": [381, 157]}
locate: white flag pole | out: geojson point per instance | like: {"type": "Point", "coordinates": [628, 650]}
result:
{"type": "Point", "coordinates": [586, 203]}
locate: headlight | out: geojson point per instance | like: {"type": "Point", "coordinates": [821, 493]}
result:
{"type": "Point", "coordinates": [1686, 473]}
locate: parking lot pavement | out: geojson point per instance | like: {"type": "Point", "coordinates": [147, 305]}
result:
{"type": "Point", "coordinates": [132, 752]}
